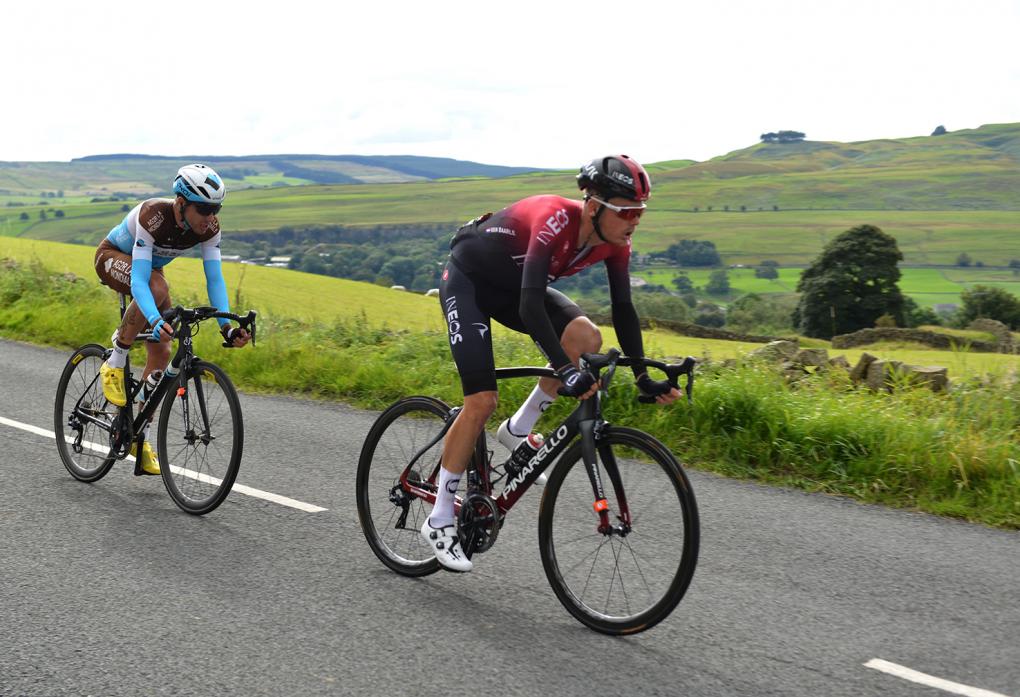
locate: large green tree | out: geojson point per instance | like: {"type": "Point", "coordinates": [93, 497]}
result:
{"type": "Point", "coordinates": [992, 303]}
{"type": "Point", "coordinates": [851, 284]}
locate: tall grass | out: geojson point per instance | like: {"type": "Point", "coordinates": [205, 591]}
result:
{"type": "Point", "coordinates": [955, 454]}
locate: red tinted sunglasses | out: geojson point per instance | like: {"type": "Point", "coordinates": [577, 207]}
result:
{"type": "Point", "coordinates": [625, 212]}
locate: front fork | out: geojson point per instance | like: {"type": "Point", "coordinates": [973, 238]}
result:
{"type": "Point", "coordinates": [591, 430]}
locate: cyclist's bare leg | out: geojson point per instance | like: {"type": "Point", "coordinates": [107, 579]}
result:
{"type": "Point", "coordinates": [580, 336]}
{"type": "Point", "coordinates": [458, 448]}
{"type": "Point", "coordinates": [460, 439]}
{"type": "Point", "coordinates": [157, 354]}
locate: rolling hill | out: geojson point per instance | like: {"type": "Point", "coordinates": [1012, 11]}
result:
{"type": "Point", "coordinates": [131, 176]}
{"type": "Point", "coordinates": [938, 195]}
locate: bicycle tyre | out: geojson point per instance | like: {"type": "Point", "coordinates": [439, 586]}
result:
{"type": "Point", "coordinates": [399, 432]}
{"type": "Point", "coordinates": [196, 468]}
{"type": "Point", "coordinates": [566, 513]}
{"type": "Point", "coordinates": [80, 378]}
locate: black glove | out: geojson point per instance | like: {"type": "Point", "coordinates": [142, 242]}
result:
{"type": "Point", "coordinates": [575, 382]}
{"type": "Point", "coordinates": [229, 334]}
{"type": "Point", "coordinates": [652, 388]}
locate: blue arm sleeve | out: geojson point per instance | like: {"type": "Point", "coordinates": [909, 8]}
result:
{"type": "Point", "coordinates": [141, 272]}
{"type": "Point", "coordinates": [216, 287]}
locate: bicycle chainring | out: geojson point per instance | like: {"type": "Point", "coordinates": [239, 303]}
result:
{"type": "Point", "coordinates": [478, 523]}
{"type": "Point", "coordinates": [122, 435]}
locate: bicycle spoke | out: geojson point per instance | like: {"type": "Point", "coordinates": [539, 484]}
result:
{"type": "Point", "coordinates": [79, 404]}
{"type": "Point", "coordinates": [628, 577]}
{"type": "Point", "coordinates": [399, 434]}
{"type": "Point", "coordinates": [199, 430]}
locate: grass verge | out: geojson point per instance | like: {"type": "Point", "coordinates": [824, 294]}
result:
{"type": "Point", "coordinates": [956, 455]}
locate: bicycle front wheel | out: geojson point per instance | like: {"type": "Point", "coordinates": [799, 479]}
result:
{"type": "Point", "coordinates": [82, 418]}
{"type": "Point", "coordinates": [200, 437]}
{"type": "Point", "coordinates": [627, 579]}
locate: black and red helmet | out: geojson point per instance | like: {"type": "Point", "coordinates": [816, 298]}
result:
{"type": "Point", "coordinates": [615, 175]}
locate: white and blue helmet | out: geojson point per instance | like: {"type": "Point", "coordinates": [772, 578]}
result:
{"type": "Point", "coordinates": [200, 184]}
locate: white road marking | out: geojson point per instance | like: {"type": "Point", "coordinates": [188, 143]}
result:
{"type": "Point", "coordinates": [929, 680]}
{"type": "Point", "coordinates": [239, 488]}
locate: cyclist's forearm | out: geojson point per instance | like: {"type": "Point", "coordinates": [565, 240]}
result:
{"type": "Point", "coordinates": [539, 326]}
{"type": "Point", "coordinates": [628, 332]}
{"type": "Point", "coordinates": [141, 273]}
{"type": "Point", "coordinates": [216, 287]}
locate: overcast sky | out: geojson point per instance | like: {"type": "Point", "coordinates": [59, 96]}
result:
{"type": "Point", "coordinates": [546, 84]}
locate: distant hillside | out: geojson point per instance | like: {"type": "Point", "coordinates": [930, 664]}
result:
{"type": "Point", "coordinates": [968, 169]}
{"type": "Point", "coordinates": [131, 175]}
{"type": "Point", "coordinates": [940, 196]}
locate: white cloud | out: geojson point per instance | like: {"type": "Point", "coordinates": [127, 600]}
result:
{"type": "Point", "coordinates": [532, 83]}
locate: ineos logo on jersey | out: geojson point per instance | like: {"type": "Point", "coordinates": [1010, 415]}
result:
{"type": "Point", "coordinates": [453, 320]}
{"type": "Point", "coordinates": [554, 224]}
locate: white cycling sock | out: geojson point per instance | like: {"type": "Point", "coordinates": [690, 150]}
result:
{"type": "Point", "coordinates": [527, 415]}
{"type": "Point", "coordinates": [442, 512]}
{"type": "Point", "coordinates": [118, 358]}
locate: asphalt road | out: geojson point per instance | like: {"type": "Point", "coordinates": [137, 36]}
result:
{"type": "Point", "coordinates": [109, 589]}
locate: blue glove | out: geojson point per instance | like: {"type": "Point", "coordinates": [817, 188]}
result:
{"type": "Point", "coordinates": [157, 330]}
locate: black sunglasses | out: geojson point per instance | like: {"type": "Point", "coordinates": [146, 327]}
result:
{"type": "Point", "coordinates": [207, 208]}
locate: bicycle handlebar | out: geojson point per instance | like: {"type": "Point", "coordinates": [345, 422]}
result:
{"type": "Point", "coordinates": [200, 314]}
{"type": "Point", "coordinates": [613, 358]}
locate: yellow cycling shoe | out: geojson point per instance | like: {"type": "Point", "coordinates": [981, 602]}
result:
{"type": "Point", "coordinates": [147, 463]}
{"type": "Point", "coordinates": [113, 385]}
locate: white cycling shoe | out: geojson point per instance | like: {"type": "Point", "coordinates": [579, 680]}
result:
{"type": "Point", "coordinates": [446, 546]}
{"type": "Point", "coordinates": [510, 440]}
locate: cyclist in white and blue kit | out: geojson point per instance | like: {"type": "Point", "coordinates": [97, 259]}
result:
{"type": "Point", "coordinates": [131, 259]}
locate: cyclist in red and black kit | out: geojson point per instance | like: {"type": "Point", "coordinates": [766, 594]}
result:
{"type": "Point", "coordinates": [500, 268]}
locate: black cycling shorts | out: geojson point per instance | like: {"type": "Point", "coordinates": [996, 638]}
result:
{"type": "Point", "coordinates": [469, 304]}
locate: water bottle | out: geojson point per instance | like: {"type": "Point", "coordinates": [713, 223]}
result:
{"type": "Point", "coordinates": [523, 453]}
{"type": "Point", "coordinates": [150, 384]}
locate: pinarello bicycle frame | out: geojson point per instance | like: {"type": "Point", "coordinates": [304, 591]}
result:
{"type": "Point", "coordinates": [586, 420]}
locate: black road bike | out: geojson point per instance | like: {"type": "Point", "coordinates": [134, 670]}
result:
{"type": "Point", "coordinates": [618, 523]}
{"type": "Point", "coordinates": [200, 433]}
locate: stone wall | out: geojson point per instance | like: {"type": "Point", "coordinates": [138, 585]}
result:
{"type": "Point", "coordinates": [1007, 343]}
{"type": "Point", "coordinates": [864, 337]}
{"type": "Point", "coordinates": [695, 330]}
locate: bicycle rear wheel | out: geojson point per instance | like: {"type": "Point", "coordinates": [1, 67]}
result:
{"type": "Point", "coordinates": [391, 518]}
{"type": "Point", "coordinates": [200, 438]}
{"type": "Point", "coordinates": [628, 580]}
{"type": "Point", "coordinates": [84, 444]}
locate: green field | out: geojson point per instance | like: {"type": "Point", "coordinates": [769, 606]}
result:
{"type": "Point", "coordinates": [789, 237]}
{"type": "Point", "coordinates": [280, 293]}
{"type": "Point", "coordinates": [927, 287]}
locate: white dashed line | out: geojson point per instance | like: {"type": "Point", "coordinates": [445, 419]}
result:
{"type": "Point", "coordinates": [929, 680]}
{"type": "Point", "coordinates": [239, 488]}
